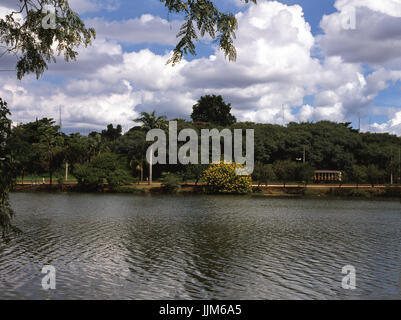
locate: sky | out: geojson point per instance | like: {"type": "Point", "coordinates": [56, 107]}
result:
{"type": "Point", "coordinates": [305, 59]}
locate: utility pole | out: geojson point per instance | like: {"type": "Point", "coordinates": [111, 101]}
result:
{"type": "Point", "coordinates": [304, 154]}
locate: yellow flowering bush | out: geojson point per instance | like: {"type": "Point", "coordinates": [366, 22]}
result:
{"type": "Point", "coordinates": [221, 178]}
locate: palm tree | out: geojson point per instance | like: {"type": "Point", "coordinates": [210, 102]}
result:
{"type": "Point", "coordinates": [151, 121]}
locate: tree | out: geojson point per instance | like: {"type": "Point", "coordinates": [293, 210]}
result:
{"type": "Point", "coordinates": [112, 134]}
{"type": "Point", "coordinates": [213, 109]}
{"type": "Point", "coordinates": [7, 171]}
{"type": "Point", "coordinates": [151, 121]}
{"type": "Point", "coordinates": [33, 44]}
{"type": "Point", "coordinates": [103, 167]}
{"type": "Point", "coordinates": [373, 174]}
{"type": "Point", "coordinates": [304, 173]}
{"type": "Point", "coordinates": [208, 20]}
{"type": "Point", "coordinates": [358, 174]}
{"type": "Point", "coordinates": [133, 145]}
{"type": "Point", "coordinates": [50, 148]}
{"type": "Point", "coordinates": [285, 170]}
{"type": "Point", "coordinates": [34, 47]}
{"type": "Point", "coordinates": [21, 150]}
{"type": "Point", "coordinates": [264, 173]}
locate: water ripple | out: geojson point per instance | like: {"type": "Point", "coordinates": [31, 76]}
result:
{"type": "Point", "coordinates": [126, 247]}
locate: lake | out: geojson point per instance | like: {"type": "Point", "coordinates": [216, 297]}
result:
{"type": "Point", "coordinates": [201, 247]}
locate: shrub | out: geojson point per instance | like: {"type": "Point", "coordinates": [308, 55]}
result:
{"type": "Point", "coordinates": [171, 183]}
{"type": "Point", "coordinates": [221, 178]}
{"type": "Point", "coordinates": [106, 167]}
{"type": "Point", "coordinates": [117, 178]}
{"type": "Point", "coordinates": [88, 177]}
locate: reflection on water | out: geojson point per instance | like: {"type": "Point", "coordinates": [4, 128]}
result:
{"type": "Point", "coordinates": [201, 247]}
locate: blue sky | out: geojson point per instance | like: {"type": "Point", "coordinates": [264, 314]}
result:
{"type": "Point", "coordinates": [295, 54]}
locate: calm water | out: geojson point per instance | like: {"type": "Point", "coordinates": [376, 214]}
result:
{"type": "Point", "coordinates": [201, 247]}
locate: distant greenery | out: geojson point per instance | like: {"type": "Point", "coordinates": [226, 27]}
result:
{"type": "Point", "coordinates": [39, 149]}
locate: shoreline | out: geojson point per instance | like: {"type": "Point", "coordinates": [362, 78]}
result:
{"type": "Point", "coordinates": [271, 191]}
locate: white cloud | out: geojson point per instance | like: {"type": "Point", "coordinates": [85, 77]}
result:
{"type": "Point", "coordinates": [275, 70]}
{"type": "Point", "coordinates": [376, 39]}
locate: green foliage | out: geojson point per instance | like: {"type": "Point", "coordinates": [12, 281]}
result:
{"type": "Point", "coordinates": [118, 178]}
{"type": "Point", "coordinates": [150, 121]}
{"type": "Point", "coordinates": [374, 175]}
{"type": "Point", "coordinates": [304, 173]}
{"type": "Point", "coordinates": [205, 16]}
{"type": "Point", "coordinates": [264, 173]}
{"type": "Point", "coordinates": [34, 44]}
{"type": "Point", "coordinates": [285, 170]}
{"type": "Point", "coordinates": [111, 134]}
{"type": "Point", "coordinates": [49, 149]}
{"type": "Point", "coordinates": [193, 172]}
{"type": "Point", "coordinates": [222, 178]}
{"type": "Point", "coordinates": [171, 183]}
{"type": "Point", "coordinates": [7, 171]}
{"type": "Point", "coordinates": [214, 110]}
{"type": "Point", "coordinates": [358, 174]}
{"type": "Point", "coordinates": [89, 178]}
{"type": "Point", "coordinates": [105, 167]}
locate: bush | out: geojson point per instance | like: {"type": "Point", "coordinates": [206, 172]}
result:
{"type": "Point", "coordinates": [117, 178]}
{"type": "Point", "coordinates": [106, 167]}
{"type": "Point", "coordinates": [171, 183]}
{"type": "Point", "coordinates": [88, 177]}
{"type": "Point", "coordinates": [222, 178]}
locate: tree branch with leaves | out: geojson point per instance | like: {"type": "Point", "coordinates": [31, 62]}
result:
{"type": "Point", "coordinates": [22, 35]}
{"type": "Point", "coordinates": [206, 17]}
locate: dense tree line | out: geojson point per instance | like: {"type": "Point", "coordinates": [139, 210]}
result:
{"type": "Point", "coordinates": [282, 153]}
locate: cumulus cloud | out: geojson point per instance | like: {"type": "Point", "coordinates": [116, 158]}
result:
{"type": "Point", "coordinates": [376, 39]}
{"type": "Point", "coordinates": [275, 70]}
